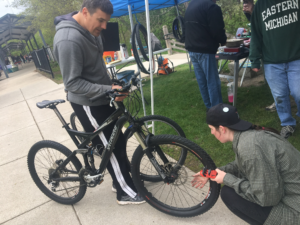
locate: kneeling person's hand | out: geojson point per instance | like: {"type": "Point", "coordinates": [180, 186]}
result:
{"type": "Point", "coordinates": [199, 181]}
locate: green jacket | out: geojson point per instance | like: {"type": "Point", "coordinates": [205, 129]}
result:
{"type": "Point", "coordinates": [266, 171]}
{"type": "Point", "coordinates": [275, 32]}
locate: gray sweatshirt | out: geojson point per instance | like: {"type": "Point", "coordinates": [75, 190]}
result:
{"type": "Point", "coordinates": [79, 55]}
{"type": "Point", "coordinates": [266, 171]}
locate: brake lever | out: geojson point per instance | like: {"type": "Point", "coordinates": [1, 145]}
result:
{"type": "Point", "coordinates": [111, 102]}
{"type": "Point", "coordinates": [113, 96]}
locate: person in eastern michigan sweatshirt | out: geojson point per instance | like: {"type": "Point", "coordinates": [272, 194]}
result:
{"type": "Point", "coordinates": [78, 49]}
{"type": "Point", "coordinates": [204, 32]}
{"type": "Point", "coordinates": [275, 38]}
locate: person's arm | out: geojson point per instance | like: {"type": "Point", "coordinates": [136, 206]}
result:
{"type": "Point", "coordinates": [230, 168]}
{"type": "Point", "coordinates": [263, 185]}
{"type": "Point", "coordinates": [70, 58]}
{"type": "Point", "coordinates": [256, 40]}
{"type": "Point", "coordinates": [216, 24]}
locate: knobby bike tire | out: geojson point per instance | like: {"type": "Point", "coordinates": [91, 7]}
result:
{"type": "Point", "coordinates": [178, 197]}
{"type": "Point", "coordinates": [135, 52]}
{"type": "Point", "coordinates": [46, 164]}
{"type": "Point", "coordinates": [131, 145]}
{"type": "Point", "coordinates": [179, 20]}
{"type": "Point", "coordinates": [142, 29]}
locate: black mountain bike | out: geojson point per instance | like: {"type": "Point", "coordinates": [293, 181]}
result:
{"type": "Point", "coordinates": [162, 166]}
{"type": "Point", "coordinates": [162, 125]}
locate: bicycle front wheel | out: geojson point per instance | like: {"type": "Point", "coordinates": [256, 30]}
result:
{"type": "Point", "coordinates": [162, 125]}
{"type": "Point", "coordinates": [43, 158]}
{"type": "Point", "coordinates": [176, 197]}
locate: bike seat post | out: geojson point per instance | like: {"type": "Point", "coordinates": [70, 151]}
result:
{"type": "Point", "coordinates": [59, 116]}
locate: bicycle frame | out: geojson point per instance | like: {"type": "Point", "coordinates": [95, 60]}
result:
{"type": "Point", "coordinates": [88, 137]}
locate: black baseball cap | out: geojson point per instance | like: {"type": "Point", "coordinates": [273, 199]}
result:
{"type": "Point", "coordinates": [227, 116]}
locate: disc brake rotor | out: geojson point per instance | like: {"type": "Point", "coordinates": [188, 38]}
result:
{"type": "Point", "coordinates": [175, 176]}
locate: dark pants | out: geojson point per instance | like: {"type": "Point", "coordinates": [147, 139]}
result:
{"type": "Point", "coordinates": [248, 211]}
{"type": "Point", "coordinates": [91, 117]}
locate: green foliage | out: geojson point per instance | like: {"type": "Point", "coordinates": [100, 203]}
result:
{"type": "Point", "coordinates": [41, 14]}
{"type": "Point", "coordinates": [233, 15]}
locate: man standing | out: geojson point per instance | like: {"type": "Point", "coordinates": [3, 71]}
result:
{"type": "Point", "coordinates": [248, 6]}
{"type": "Point", "coordinates": [204, 32]}
{"type": "Point", "coordinates": [78, 49]}
{"type": "Point", "coordinates": [275, 39]}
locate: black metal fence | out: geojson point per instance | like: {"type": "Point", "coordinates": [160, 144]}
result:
{"type": "Point", "coordinates": [41, 59]}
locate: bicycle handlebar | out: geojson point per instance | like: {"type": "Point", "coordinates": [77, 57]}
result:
{"type": "Point", "coordinates": [125, 88]}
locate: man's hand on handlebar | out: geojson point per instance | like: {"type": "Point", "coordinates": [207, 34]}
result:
{"type": "Point", "coordinates": [121, 98]}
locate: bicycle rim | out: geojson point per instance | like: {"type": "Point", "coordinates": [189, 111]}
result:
{"type": "Point", "coordinates": [178, 197]}
{"type": "Point", "coordinates": [42, 161]}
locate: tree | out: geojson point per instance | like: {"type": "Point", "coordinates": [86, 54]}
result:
{"type": "Point", "coordinates": [41, 13]}
{"type": "Point", "coordinates": [233, 15]}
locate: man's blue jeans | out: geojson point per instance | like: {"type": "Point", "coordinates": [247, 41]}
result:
{"type": "Point", "coordinates": [206, 70]}
{"type": "Point", "coordinates": [284, 80]}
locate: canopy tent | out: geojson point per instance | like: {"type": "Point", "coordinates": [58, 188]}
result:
{"type": "Point", "coordinates": [127, 7]}
{"type": "Point", "coordinates": [138, 6]}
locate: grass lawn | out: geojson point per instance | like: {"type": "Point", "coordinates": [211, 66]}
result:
{"type": "Point", "coordinates": [177, 96]}
{"type": "Point", "coordinates": [56, 72]}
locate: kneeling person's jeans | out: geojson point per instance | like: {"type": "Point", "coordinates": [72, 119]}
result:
{"type": "Point", "coordinates": [284, 80]}
{"type": "Point", "coordinates": [206, 70]}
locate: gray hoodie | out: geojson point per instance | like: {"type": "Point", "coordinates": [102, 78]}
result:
{"type": "Point", "coordinates": [79, 55]}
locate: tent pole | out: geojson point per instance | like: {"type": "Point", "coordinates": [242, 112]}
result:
{"type": "Point", "coordinates": [130, 17]}
{"type": "Point", "coordinates": [150, 59]}
{"type": "Point", "coordinates": [176, 6]}
{"type": "Point", "coordinates": [138, 69]}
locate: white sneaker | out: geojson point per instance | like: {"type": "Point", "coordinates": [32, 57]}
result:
{"type": "Point", "coordinates": [271, 108]}
{"type": "Point", "coordinates": [127, 200]}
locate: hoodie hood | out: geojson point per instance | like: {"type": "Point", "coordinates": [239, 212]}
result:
{"type": "Point", "coordinates": [69, 17]}
{"type": "Point", "coordinates": [67, 21]}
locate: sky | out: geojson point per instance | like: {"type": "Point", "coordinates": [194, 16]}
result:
{"type": "Point", "coordinates": [4, 10]}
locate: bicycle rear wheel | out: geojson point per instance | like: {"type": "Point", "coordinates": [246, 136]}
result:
{"type": "Point", "coordinates": [177, 197]}
{"type": "Point", "coordinates": [43, 158]}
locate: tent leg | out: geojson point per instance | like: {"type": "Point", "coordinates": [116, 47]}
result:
{"type": "Point", "coordinates": [150, 59]}
{"type": "Point", "coordinates": [138, 69]}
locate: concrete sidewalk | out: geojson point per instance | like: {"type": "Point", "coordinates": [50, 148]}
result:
{"type": "Point", "coordinates": [21, 202]}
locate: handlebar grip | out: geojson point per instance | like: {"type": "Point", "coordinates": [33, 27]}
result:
{"type": "Point", "coordinates": [93, 99]}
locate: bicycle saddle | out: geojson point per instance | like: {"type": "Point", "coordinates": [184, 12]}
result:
{"type": "Point", "coordinates": [49, 104]}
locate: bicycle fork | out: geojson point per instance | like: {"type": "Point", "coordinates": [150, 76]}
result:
{"type": "Point", "coordinates": [148, 150]}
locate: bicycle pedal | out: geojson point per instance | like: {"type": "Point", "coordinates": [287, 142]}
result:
{"type": "Point", "coordinates": [100, 182]}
